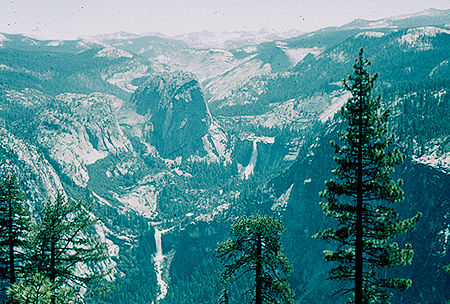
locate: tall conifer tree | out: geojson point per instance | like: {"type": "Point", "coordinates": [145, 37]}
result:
{"type": "Point", "coordinates": [14, 227]}
{"type": "Point", "coordinates": [359, 197]}
{"type": "Point", "coordinates": [255, 248]}
{"type": "Point", "coordinates": [64, 242]}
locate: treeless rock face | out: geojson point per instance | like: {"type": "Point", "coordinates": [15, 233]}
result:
{"type": "Point", "coordinates": [177, 114]}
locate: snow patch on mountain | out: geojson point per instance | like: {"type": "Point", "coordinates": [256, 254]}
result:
{"type": "Point", "coordinates": [111, 52]}
{"type": "Point", "coordinates": [55, 43]}
{"type": "Point", "coordinates": [370, 34]}
{"type": "Point", "coordinates": [436, 156]}
{"type": "Point", "coordinates": [418, 38]}
{"type": "Point", "coordinates": [378, 24]}
{"type": "Point", "coordinates": [297, 55]}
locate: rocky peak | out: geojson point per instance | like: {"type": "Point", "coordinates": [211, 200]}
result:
{"type": "Point", "coordinates": [177, 113]}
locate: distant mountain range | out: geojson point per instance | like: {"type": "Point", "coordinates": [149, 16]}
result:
{"type": "Point", "coordinates": [208, 39]}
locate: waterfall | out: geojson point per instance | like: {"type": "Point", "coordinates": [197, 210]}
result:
{"type": "Point", "coordinates": [158, 259]}
{"type": "Point", "coordinates": [248, 170]}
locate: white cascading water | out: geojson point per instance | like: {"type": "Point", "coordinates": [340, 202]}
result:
{"type": "Point", "coordinates": [248, 170]}
{"type": "Point", "coordinates": [158, 260]}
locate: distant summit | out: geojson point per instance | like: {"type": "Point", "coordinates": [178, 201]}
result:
{"type": "Point", "coordinates": [113, 36]}
{"type": "Point", "coordinates": [235, 39]}
{"type": "Point", "coordinates": [429, 17]}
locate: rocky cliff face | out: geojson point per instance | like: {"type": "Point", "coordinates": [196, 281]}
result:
{"type": "Point", "coordinates": [41, 181]}
{"type": "Point", "coordinates": [178, 115]}
{"type": "Point", "coordinates": [87, 133]}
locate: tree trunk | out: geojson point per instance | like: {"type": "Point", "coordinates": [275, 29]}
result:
{"type": "Point", "coordinates": [225, 296]}
{"type": "Point", "coordinates": [359, 209]}
{"type": "Point", "coordinates": [53, 268]}
{"type": "Point", "coordinates": [258, 277]}
{"type": "Point", "coordinates": [12, 273]}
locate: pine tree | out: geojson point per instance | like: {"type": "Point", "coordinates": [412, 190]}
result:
{"type": "Point", "coordinates": [64, 242]}
{"type": "Point", "coordinates": [255, 248]}
{"type": "Point", "coordinates": [14, 227]}
{"type": "Point", "coordinates": [39, 289]}
{"type": "Point", "coordinates": [359, 200]}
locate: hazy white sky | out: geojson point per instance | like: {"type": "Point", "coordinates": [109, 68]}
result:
{"type": "Point", "coordinates": [69, 19]}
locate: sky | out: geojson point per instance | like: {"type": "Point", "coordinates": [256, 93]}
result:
{"type": "Point", "coordinates": [70, 19]}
